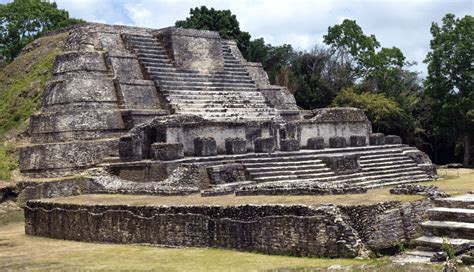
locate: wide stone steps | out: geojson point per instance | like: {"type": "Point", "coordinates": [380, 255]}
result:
{"type": "Point", "coordinates": [202, 77]}
{"type": "Point", "coordinates": [463, 202]}
{"type": "Point", "coordinates": [332, 178]}
{"type": "Point", "coordinates": [451, 222]}
{"type": "Point", "coordinates": [451, 214]}
{"type": "Point", "coordinates": [189, 104]}
{"type": "Point", "coordinates": [229, 116]}
{"type": "Point", "coordinates": [381, 162]}
{"type": "Point", "coordinates": [453, 229]}
{"type": "Point", "coordinates": [293, 172]}
{"type": "Point", "coordinates": [377, 183]}
{"type": "Point", "coordinates": [386, 163]}
{"type": "Point", "coordinates": [186, 99]}
{"type": "Point", "coordinates": [303, 165]}
{"type": "Point", "coordinates": [387, 155]}
{"type": "Point", "coordinates": [395, 166]}
{"type": "Point", "coordinates": [408, 169]}
{"type": "Point", "coordinates": [436, 243]}
{"type": "Point", "coordinates": [192, 85]}
{"type": "Point", "coordinates": [293, 177]}
{"type": "Point", "coordinates": [207, 80]}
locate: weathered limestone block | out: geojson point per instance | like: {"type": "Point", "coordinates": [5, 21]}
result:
{"type": "Point", "coordinates": [315, 143]}
{"type": "Point", "coordinates": [358, 140]}
{"type": "Point", "coordinates": [138, 94]}
{"type": "Point", "coordinates": [235, 145]}
{"type": "Point", "coordinates": [337, 142]}
{"type": "Point", "coordinates": [342, 164]}
{"type": "Point", "coordinates": [279, 97]}
{"type": "Point", "coordinates": [79, 93]}
{"type": "Point", "coordinates": [75, 125]}
{"type": "Point", "coordinates": [393, 139]}
{"type": "Point", "coordinates": [258, 74]}
{"type": "Point", "coordinates": [79, 61]}
{"type": "Point", "coordinates": [64, 158]}
{"type": "Point", "coordinates": [130, 148]}
{"type": "Point", "coordinates": [264, 145]}
{"type": "Point", "coordinates": [167, 151]}
{"type": "Point", "coordinates": [124, 65]}
{"type": "Point", "coordinates": [192, 49]}
{"type": "Point", "coordinates": [377, 139]}
{"type": "Point", "coordinates": [227, 173]}
{"type": "Point", "coordinates": [423, 161]}
{"type": "Point", "coordinates": [205, 146]}
{"type": "Point", "coordinates": [289, 145]}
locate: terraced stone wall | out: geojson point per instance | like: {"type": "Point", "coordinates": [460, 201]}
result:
{"type": "Point", "coordinates": [327, 231]}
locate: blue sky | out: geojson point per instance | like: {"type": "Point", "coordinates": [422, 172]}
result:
{"type": "Point", "coordinates": [301, 23]}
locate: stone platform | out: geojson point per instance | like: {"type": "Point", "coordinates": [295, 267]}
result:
{"type": "Point", "coordinates": [323, 231]}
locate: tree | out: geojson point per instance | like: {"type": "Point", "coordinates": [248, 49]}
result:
{"type": "Point", "coordinates": [274, 59]}
{"type": "Point", "coordinates": [22, 21]}
{"type": "Point", "coordinates": [450, 81]}
{"type": "Point", "coordinates": [318, 77]}
{"type": "Point", "coordinates": [222, 21]}
{"type": "Point", "coordinates": [351, 45]}
{"type": "Point", "coordinates": [385, 114]}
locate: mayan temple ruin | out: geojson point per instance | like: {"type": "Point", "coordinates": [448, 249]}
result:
{"type": "Point", "coordinates": [140, 112]}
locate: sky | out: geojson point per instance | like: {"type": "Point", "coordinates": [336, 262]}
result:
{"type": "Point", "coordinates": [302, 23]}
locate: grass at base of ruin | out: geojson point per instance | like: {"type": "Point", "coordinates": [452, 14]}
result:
{"type": "Point", "coordinates": [373, 196]}
{"type": "Point", "coordinates": [21, 252]}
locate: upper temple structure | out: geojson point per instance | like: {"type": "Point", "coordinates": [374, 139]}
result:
{"type": "Point", "coordinates": [182, 109]}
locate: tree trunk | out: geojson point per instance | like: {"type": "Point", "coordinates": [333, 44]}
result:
{"type": "Point", "coordinates": [467, 150]}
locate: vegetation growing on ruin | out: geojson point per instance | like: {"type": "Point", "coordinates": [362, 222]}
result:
{"type": "Point", "coordinates": [7, 163]}
{"type": "Point", "coordinates": [23, 80]}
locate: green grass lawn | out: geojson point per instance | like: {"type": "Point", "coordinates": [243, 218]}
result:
{"type": "Point", "coordinates": [21, 252]}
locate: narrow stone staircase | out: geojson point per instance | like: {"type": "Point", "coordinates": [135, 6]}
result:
{"type": "Point", "coordinates": [226, 96]}
{"type": "Point", "coordinates": [450, 224]}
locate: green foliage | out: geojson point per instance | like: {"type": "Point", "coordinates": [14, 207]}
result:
{"type": "Point", "coordinates": [318, 77]}
{"type": "Point", "coordinates": [273, 58]}
{"type": "Point", "coordinates": [385, 114]}
{"type": "Point", "coordinates": [222, 21]}
{"type": "Point", "coordinates": [23, 80]}
{"type": "Point", "coordinates": [448, 248]}
{"type": "Point", "coordinates": [22, 21]}
{"type": "Point", "coordinates": [349, 43]}
{"type": "Point", "coordinates": [7, 163]}
{"type": "Point", "coordinates": [450, 81]}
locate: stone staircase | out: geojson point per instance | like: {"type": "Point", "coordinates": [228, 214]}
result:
{"type": "Point", "coordinates": [451, 223]}
{"type": "Point", "coordinates": [389, 167]}
{"type": "Point", "coordinates": [380, 165]}
{"type": "Point", "coordinates": [225, 96]}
